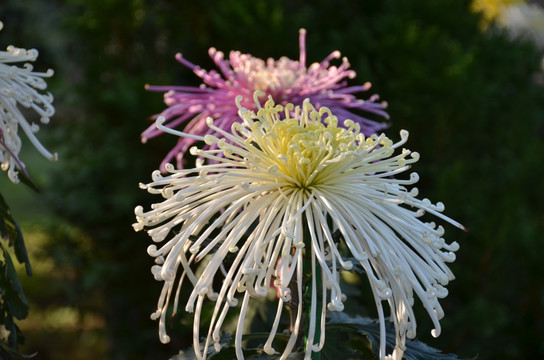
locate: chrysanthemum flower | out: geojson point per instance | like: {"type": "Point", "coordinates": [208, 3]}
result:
{"type": "Point", "coordinates": [20, 86]}
{"type": "Point", "coordinates": [286, 80]}
{"type": "Point", "coordinates": [275, 190]}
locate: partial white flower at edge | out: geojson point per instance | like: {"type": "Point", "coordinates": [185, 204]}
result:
{"type": "Point", "coordinates": [20, 86]}
{"type": "Point", "coordinates": [524, 21]}
{"type": "Point", "coordinates": [284, 169]}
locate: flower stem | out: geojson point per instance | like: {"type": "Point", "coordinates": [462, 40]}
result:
{"type": "Point", "coordinates": [309, 283]}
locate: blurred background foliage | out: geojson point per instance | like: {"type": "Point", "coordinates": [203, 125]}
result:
{"type": "Point", "coordinates": [468, 96]}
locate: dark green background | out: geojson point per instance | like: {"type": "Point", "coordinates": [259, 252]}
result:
{"type": "Point", "coordinates": [470, 100]}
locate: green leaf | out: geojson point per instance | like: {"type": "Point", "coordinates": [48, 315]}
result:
{"type": "Point", "coordinates": [12, 289]}
{"type": "Point", "coordinates": [25, 179]}
{"type": "Point", "coordinates": [13, 302]}
{"type": "Point", "coordinates": [8, 227]}
{"type": "Point", "coordinates": [347, 338]}
{"type": "Point", "coordinates": [14, 337]}
{"type": "Point", "coordinates": [415, 350]}
{"type": "Point", "coordinates": [10, 231]}
{"type": "Point", "coordinates": [228, 351]}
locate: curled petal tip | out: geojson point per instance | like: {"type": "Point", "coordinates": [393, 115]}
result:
{"type": "Point", "coordinates": [155, 315]}
{"type": "Point", "coordinates": [160, 121]}
{"type": "Point", "coordinates": [165, 339]}
{"type": "Point", "coordinates": [269, 349]}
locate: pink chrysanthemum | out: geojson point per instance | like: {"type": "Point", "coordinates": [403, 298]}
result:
{"type": "Point", "coordinates": [286, 80]}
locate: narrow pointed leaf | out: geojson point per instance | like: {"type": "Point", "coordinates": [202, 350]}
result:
{"type": "Point", "coordinates": [10, 231]}
{"type": "Point", "coordinates": [12, 289]}
{"type": "Point", "coordinates": [415, 350]}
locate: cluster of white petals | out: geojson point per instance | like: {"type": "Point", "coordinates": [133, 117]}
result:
{"type": "Point", "coordinates": [20, 87]}
{"type": "Point", "coordinates": [282, 172]}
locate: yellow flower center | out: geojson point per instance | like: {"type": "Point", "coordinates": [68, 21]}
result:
{"type": "Point", "coordinates": [303, 145]}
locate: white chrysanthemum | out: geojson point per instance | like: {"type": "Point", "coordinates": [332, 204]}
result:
{"type": "Point", "coordinates": [287, 179]}
{"type": "Point", "coordinates": [20, 86]}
